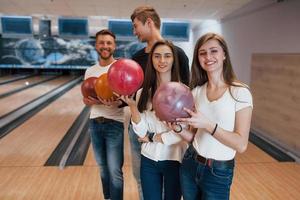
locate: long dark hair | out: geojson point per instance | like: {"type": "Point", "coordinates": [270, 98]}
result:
{"type": "Point", "coordinates": [150, 81]}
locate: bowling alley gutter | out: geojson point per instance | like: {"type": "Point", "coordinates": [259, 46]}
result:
{"type": "Point", "coordinates": [15, 118]}
{"type": "Point", "coordinates": [72, 149]}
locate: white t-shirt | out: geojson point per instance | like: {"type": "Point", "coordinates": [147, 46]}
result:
{"type": "Point", "coordinates": [173, 147]}
{"type": "Point", "coordinates": [101, 110]}
{"type": "Point", "coordinates": [221, 111]}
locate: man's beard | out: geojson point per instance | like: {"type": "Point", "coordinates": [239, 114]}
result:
{"type": "Point", "coordinates": [106, 57]}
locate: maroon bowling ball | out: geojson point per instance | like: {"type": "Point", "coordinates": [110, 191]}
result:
{"type": "Point", "coordinates": [170, 99]}
{"type": "Point", "coordinates": [125, 76]}
{"type": "Point", "coordinates": [87, 87]}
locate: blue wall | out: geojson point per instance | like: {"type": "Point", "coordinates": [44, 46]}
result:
{"type": "Point", "coordinates": [56, 53]}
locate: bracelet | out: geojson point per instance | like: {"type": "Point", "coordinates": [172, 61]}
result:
{"type": "Point", "coordinates": [177, 128]}
{"type": "Point", "coordinates": [212, 134]}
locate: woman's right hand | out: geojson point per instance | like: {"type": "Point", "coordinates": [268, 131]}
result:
{"type": "Point", "coordinates": [129, 100]}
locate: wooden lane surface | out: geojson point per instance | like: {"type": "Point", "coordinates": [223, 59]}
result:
{"type": "Point", "coordinates": [257, 176]}
{"type": "Point", "coordinates": [254, 154]}
{"type": "Point", "coordinates": [16, 100]}
{"type": "Point", "coordinates": [28, 183]}
{"type": "Point", "coordinates": [266, 181]}
{"type": "Point", "coordinates": [252, 181]}
{"type": "Point", "coordinates": [20, 83]}
{"type": "Point", "coordinates": [31, 143]}
{"type": "Point", "coordinates": [6, 77]}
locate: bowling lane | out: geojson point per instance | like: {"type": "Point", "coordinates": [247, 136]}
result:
{"type": "Point", "coordinates": [90, 159]}
{"type": "Point", "coordinates": [254, 154]}
{"type": "Point", "coordinates": [16, 100]}
{"type": "Point", "coordinates": [10, 76]}
{"type": "Point", "coordinates": [6, 77]}
{"type": "Point", "coordinates": [32, 143]}
{"type": "Point", "coordinates": [21, 83]}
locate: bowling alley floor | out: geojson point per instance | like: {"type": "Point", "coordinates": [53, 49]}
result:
{"type": "Point", "coordinates": [259, 177]}
{"type": "Point", "coordinates": [24, 151]}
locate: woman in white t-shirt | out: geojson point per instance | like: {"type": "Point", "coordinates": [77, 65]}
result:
{"type": "Point", "coordinates": [162, 149]}
{"type": "Point", "coordinates": [222, 116]}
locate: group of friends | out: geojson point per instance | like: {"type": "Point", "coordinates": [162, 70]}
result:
{"type": "Point", "coordinates": [194, 162]}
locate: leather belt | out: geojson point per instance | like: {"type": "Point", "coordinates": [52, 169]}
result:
{"type": "Point", "coordinates": [103, 120]}
{"type": "Point", "coordinates": [213, 163]}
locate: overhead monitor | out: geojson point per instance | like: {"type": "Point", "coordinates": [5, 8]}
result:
{"type": "Point", "coordinates": [123, 29]}
{"type": "Point", "coordinates": [73, 27]}
{"type": "Point", "coordinates": [176, 31]}
{"type": "Point", "coordinates": [16, 26]}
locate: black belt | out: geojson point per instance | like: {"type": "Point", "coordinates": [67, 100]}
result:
{"type": "Point", "coordinates": [213, 163]}
{"type": "Point", "coordinates": [103, 120]}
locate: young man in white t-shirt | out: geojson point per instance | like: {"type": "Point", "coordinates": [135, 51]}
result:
{"type": "Point", "coordinates": [106, 123]}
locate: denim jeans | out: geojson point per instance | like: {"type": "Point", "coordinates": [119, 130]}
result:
{"type": "Point", "coordinates": [199, 181]}
{"type": "Point", "coordinates": [160, 178]}
{"type": "Point", "coordinates": [135, 147]}
{"type": "Point", "coordinates": [108, 143]}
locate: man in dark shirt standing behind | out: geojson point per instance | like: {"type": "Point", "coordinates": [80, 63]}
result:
{"type": "Point", "coordinates": [146, 26]}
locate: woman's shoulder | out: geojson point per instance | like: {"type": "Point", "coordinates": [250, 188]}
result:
{"type": "Point", "coordinates": [240, 91]}
{"type": "Point", "coordinates": [239, 86]}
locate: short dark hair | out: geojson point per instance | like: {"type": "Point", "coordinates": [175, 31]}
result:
{"type": "Point", "coordinates": [106, 32]}
{"type": "Point", "coordinates": [142, 13]}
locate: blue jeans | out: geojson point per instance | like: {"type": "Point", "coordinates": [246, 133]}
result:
{"type": "Point", "coordinates": [135, 147]}
{"type": "Point", "coordinates": [199, 181]}
{"type": "Point", "coordinates": [160, 178]}
{"type": "Point", "coordinates": [108, 143]}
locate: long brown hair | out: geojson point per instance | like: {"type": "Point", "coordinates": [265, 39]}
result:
{"type": "Point", "coordinates": [199, 75]}
{"type": "Point", "coordinates": [150, 81]}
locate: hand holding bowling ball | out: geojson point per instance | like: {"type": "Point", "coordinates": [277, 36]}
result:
{"type": "Point", "coordinates": [125, 76]}
{"type": "Point", "coordinates": [102, 88]}
{"type": "Point", "coordinates": [170, 99]}
{"type": "Point", "coordinates": [87, 87]}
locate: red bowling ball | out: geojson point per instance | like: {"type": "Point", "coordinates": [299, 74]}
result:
{"type": "Point", "coordinates": [88, 87]}
{"type": "Point", "coordinates": [125, 76]}
{"type": "Point", "coordinates": [170, 99]}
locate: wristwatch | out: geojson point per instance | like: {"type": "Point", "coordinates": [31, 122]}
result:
{"type": "Point", "coordinates": [177, 128]}
{"type": "Point", "coordinates": [150, 136]}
